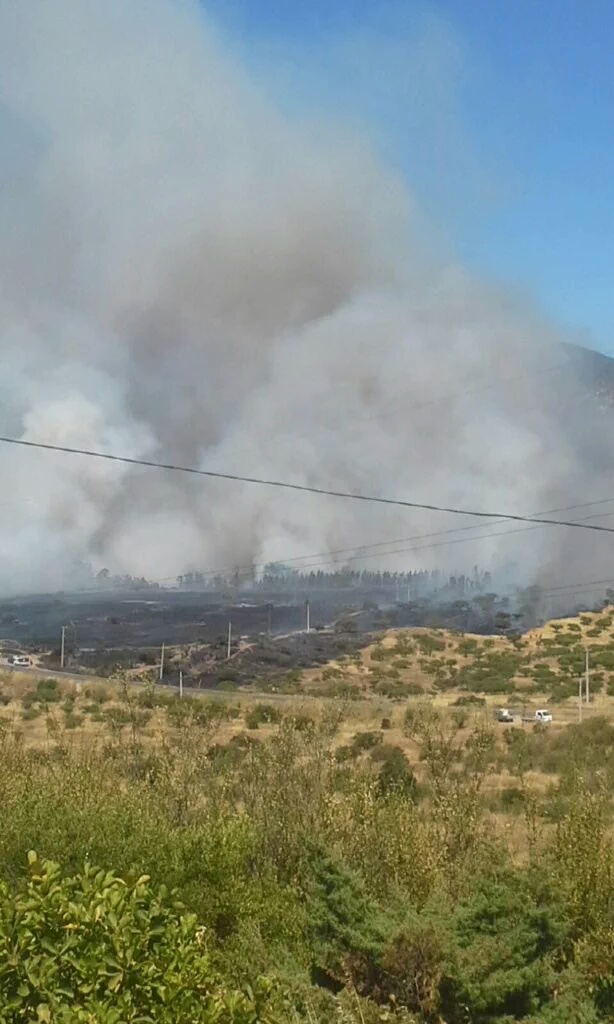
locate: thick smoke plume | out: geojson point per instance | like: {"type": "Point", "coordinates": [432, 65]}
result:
{"type": "Point", "coordinates": [185, 273]}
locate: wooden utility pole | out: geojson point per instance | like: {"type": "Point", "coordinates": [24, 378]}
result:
{"type": "Point", "coordinates": [587, 674]}
{"type": "Point", "coordinates": [162, 661]}
{"type": "Point", "coordinates": [229, 639]}
{"type": "Point", "coordinates": [307, 613]}
{"type": "Point", "coordinates": [180, 683]}
{"type": "Point", "coordinates": [62, 647]}
{"type": "Point", "coordinates": [580, 699]}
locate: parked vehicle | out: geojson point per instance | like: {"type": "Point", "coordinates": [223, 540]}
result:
{"type": "Point", "coordinates": [504, 715]}
{"type": "Point", "coordinates": [543, 716]}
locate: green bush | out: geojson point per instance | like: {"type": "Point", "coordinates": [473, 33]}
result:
{"type": "Point", "coordinates": [366, 741]}
{"type": "Point", "coordinates": [262, 714]}
{"type": "Point", "coordinates": [428, 643]}
{"type": "Point", "coordinates": [48, 690]}
{"type": "Point", "coordinates": [512, 798]}
{"type": "Point", "coordinates": [93, 948]}
{"type": "Point", "coordinates": [397, 690]}
{"type": "Point", "coordinates": [469, 699]}
{"type": "Point", "coordinates": [72, 720]}
{"type": "Point", "coordinates": [396, 775]}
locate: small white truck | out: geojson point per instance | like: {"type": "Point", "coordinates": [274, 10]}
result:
{"type": "Point", "coordinates": [542, 716]}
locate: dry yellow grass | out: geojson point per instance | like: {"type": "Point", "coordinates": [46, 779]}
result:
{"type": "Point", "coordinates": [371, 712]}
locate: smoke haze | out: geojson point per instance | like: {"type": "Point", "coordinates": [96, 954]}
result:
{"type": "Point", "coordinates": [186, 273]}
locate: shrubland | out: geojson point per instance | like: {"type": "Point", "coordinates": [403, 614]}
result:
{"type": "Point", "coordinates": [544, 663]}
{"type": "Point", "coordinates": [200, 861]}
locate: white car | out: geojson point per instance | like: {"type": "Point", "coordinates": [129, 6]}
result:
{"type": "Point", "coordinates": [543, 716]}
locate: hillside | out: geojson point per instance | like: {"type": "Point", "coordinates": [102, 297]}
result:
{"type": "Point", "coordinates": [595, 370]}
{"type": "Point", "coordinates": [545, 663]}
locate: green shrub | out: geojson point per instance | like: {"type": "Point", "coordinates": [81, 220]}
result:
{"type": "Point", "coordinates": [48, 690]}
{"type": "Point", "coordinates": [366, 741]}
{"type": "Point", "coordinates": [468, 646]}
{"type": "Point", "coordinates": [397, 690]}
{"type": "Point", "coordinates": [380, 653]}
{"type": "Point", "coordinates": [396, 775]}
{"type": "Point", "coordinates": [428, 643]}
{"type": "Point", "coordinates": [262, 714]}
{"type": "Point", "coordinates": [512, 798]}
{"type": "Point", "coordinates": [72, 720]}
{"type": "Point", "coordinates": [93, 948]}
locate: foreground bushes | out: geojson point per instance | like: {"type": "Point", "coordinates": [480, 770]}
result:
{"type": "Point", "coordinates": [93, 948]}
{"type": "Point", "coordinates": [364, 896]}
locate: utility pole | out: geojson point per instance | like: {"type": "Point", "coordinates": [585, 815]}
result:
{"type": "Point", "coordinates": [307, 612]}
{"type": "Point", "coordinates": [62, 647]}
{"type": "Point", "coordinates": [162, 661]}
{"type": "Point", "coordinates": [270, 618]}
{"type": "Point", "coordinates": [580, 699]}
{"type": "Point", "coordinates": [587, 674]}
{"type": "Point", "coordinates": [180, 683]}
{"type": "Point", "coordinates": [229, 640]}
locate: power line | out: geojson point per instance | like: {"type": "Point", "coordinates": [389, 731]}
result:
{"type": "Point", "coordinates": [301, 488]}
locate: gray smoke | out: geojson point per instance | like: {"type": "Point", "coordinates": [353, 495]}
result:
{"type": "Point", "coordinates": [186, 273]}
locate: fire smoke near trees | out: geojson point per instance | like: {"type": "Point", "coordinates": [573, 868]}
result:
{"type": "Point", "coordinates": [187, 273]}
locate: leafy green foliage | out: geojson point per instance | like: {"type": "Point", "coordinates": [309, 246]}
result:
{"type": "Point", "coordinates": [90, 947]}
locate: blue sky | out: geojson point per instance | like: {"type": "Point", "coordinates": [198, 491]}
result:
{"type": "Point", "coordinates": [500, 114]}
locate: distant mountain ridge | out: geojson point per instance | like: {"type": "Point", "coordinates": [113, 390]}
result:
{"type": "Point", "coordinates": [595, 370]}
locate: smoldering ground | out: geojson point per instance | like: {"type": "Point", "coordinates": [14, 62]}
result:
{"type": "Point", "coordinates": [188, 273]}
